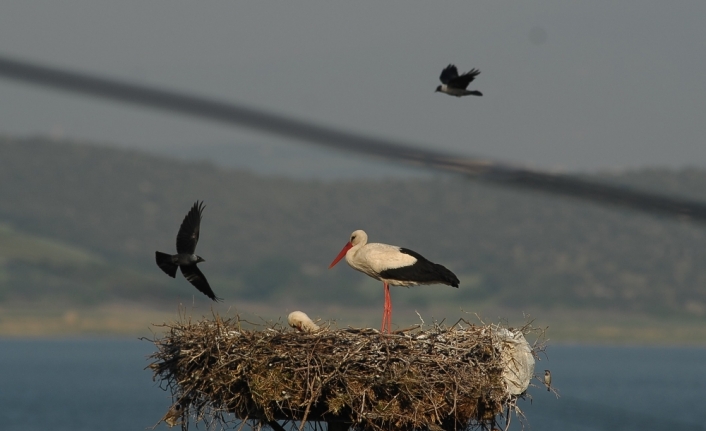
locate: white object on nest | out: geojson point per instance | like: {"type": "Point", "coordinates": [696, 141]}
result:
{"type": "Point", "coordinates": [300, 321]}
{"type": "Point", "coordinates": [516, 356]}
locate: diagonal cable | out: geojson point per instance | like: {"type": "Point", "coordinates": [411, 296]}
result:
{"type": "Point", "coordinates": [243, 116]}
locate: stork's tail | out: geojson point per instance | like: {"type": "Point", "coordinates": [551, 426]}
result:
{"type": "Point", "coordinates": [447, 277]}
{"type": "Point", "coordinates": [164, 261]}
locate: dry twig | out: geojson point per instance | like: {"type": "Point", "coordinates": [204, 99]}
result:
{"type": "Point", "coordinates": [444, 378]}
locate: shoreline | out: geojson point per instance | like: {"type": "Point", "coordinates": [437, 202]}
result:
{"type": "Point", "coordinates": [562, 327]}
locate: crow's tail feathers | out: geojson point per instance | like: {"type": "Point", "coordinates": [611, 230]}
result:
{"type": "Point", "coordinates": [164, 261]}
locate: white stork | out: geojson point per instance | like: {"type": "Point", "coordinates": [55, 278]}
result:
{"type": "Point", "coordinates": [392, 265]}
{"type": "Point", "coordinates": [301, 322]}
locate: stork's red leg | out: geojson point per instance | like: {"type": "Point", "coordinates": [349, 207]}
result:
{"type": "Point", "coordinates": [386, 311]}
{"type": "Point", "coordinates": [389, 310]}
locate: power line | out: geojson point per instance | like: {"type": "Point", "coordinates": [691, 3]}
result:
{"type": "Point", "coordinates": [243, 116]}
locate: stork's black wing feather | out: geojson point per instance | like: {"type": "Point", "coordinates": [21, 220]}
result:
{"type": "Point", "coordinates": [196, 277]}
{"type": "Point", "coordinates": [422, 271]}
{"type": "Point", "coordinates": [188, 235]}
{"type": "Point", "coordinates": [465, 79]}
{"type": "Point", "coordinates": [448, 74]}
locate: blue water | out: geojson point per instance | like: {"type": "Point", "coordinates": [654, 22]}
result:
{"type": "Point", "coordinates": [101, 385]}
{"type": "Point", "coordinates": [621, 388]}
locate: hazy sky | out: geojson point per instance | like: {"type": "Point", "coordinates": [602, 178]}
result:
{"type": "Point", "coordinates": [567, 84]}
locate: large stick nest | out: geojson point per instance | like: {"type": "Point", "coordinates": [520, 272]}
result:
{"type": "Point", "coordinates": [444, 378]}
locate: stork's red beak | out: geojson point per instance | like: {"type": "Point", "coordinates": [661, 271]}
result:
{"type": "Point", "coordinates": [341, 254]}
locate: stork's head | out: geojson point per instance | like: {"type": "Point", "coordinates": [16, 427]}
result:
{"type": "Point", "coordinates": [437, 89]}
{"type": "Point", "coordinates": [358, 237]}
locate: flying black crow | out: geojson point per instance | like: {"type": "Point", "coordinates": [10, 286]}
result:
{"type": "Point", "coordinates": [185, 258]}
{"type": "Point", "coordinates": [455, 85]}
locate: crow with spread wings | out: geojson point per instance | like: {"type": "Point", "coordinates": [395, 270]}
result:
{"type": "Point", "coordinates": [186, 259]}
{"type": "Point", "coordinates": [454, 84]}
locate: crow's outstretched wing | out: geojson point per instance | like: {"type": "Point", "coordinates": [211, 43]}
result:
{"type": "Point", "coordinates": [196, 277]}
{"type": "Point", "coordinates": [448, 74]}
{"type": "Point", "coordinates": [164, 261]}
{"type": "Point", "coordinates": [188, 235]}
{"type": "Point", "coordinates": [465, 79]}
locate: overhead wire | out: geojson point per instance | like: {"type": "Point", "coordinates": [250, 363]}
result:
{"type": "Point", "coordinates": [394, 151]}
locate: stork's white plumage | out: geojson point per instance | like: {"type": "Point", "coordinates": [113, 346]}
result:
{"type": "Point", "coordinates": [301, 322]}
{"type": "Point", "coordinates": [392, 265]}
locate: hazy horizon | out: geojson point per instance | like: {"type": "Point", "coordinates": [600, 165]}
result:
{"type": "Point", "coordinates": [582, 86]}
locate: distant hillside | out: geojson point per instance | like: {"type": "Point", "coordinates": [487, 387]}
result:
{"type": "Point", "coordinates": [39, 269]}
{"type": "Point", "coordinates": [269, 238]}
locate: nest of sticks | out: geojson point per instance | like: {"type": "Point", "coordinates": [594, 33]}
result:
{"type": "Point", "coordinates": [443, 378]}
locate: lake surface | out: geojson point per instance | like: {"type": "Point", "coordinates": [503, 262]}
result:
{"type": "Point", "coordinates": [101, 385]}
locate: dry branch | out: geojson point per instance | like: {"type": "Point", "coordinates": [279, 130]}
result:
{"type": "Point", "coordinates": [444, 378]}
